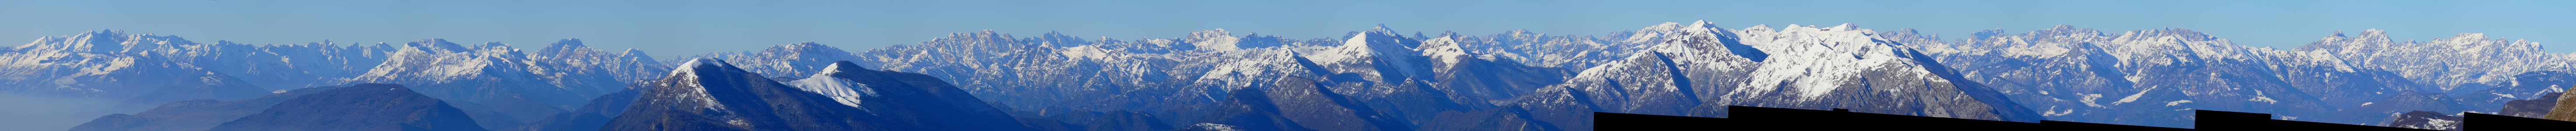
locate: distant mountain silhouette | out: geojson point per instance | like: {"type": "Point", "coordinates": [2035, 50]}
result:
{"type": "Point", "coordinates": [362, 107]}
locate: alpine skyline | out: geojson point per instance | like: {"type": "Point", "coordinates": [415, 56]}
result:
{"type": "Point", "coordinates": [1217, 66]}
{"type": "Point", "coordinates": [679, 27]}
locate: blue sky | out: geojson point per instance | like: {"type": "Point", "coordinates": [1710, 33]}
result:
{"type": "Point", "coordinates": [673, 28]}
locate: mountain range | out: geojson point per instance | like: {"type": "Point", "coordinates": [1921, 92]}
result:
{"type": "Point", "coordinates": [1376, 79]}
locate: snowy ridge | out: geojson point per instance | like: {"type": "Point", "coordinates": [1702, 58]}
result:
{"type": "Point", "coordinates": [687, 79]}
{"type": "Point", "coordinates": [1217, 40]}
{"type": "Point", "coordinates": [843, 90]}
{"type": "Point", "coordinates": [146, 69]}
{"type": "Point", "coordinates": [1693, 68]}
{"type": "Point", "coordinates": [2466, 58]}
{"type": "Point", "coordinates": [1376, 44]}
{"type": "Point", "coordinates": [1444, 49]}
{"type": "Point", "coordinates": [785, 60]}
{"type": "Point", "coordinates": [1818, 60]}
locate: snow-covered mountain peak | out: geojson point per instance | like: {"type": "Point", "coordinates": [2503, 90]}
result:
{"type": "Point", "coordinates": [1840, 38]}
{"type": "Point", "coordinates": [104, 41]}
{"type": "Point", "coordinates": [2381, 35]}
{"type": "Point", "coordinates": [1380, 36]}
{"type": "Point", "coordinates": [494, 45]}
{"type": "Point", "coordinates": [1376, 43]}
{"type": "Point", "coordinates": [2467, 40]}
{"type": "Point", "coordinates": [635, 53]}
{"type": "Point", "coordinates": [1760, 28]}
{"type": "Point", "coordinates": [436, 45]}
{"type": "Point", "coordinates": [975, 38]}
{"type": "Point", "coordinates": [691, 67]}
{"type": "Point", "coordinates": [1445, 49]}
{"type": "Point", "coordinates": [2367, 37]}
{"type": "Point", "coordinates": [2174, 32]}
{"type": "Point", "coordinates": [640, 58]}
{"type": "Point", "coordinates": [565, 44]}
{"type": "Point", "coordinates": [2165, 46]}
{"type": "Point", "coordinates": [1091, 52]}
{"type": "Point", "coordinates": [2064, 27]}
{"type": "Point", "coordinates": [791, 50]}
{"type": "Point", "coordinates": [1381, 29]}
{"type": "Point", "coordinates": [848, 92]}
{"type": "Point", "coordinates": [806, 46]}
{"type": "Point", "coordinates": [1844, 26]}
{"type": "Point", "coordinates": [1058, 39]}
{"type": "Point", "coordinates": [2065, 30]}
{"type": "Point", "coordinates": [838, 66]}
{"type": "Point", "coordinates": [1217, 39]}
{"type": "Point", "coordinates": [1676, 31]}
{"type": "Point", "coordinates": [1809, 59]}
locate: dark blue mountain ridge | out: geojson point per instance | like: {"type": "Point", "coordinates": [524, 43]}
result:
{"type": "Point", "coordinates": [361, 107]}
{"type": "Point", "coordinates": [709, 94]}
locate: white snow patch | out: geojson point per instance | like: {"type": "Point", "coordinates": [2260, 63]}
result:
{"type": "Point", "coordinates": [2134, 97]}
{"type": "Point", "coordinates": [2259, 96]}
{"type": "Point", "coordinates": [843, 90]}
{"type": "Point", "coordinates": [1086, 52]}
{"type": "Point", "coordinates": [2439, 123]}
{"type": "Point", "coordinates": [1216, 127]}
{"type": "Point", "coordinates": [2088, 100]}
{"type": "Point", "coordinates": [2052, 111]}
{"type": "Point", "coordinates": [2177, 102]}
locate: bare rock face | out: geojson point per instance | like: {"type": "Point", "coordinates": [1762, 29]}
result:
{"type": "Point", "coordinates": [2536, 107]}
{"type": "Point", "coordinates": [2562, 111]}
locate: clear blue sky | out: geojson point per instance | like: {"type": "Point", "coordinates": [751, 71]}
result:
{"type": "Point", "coordinates": [672, 28]}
